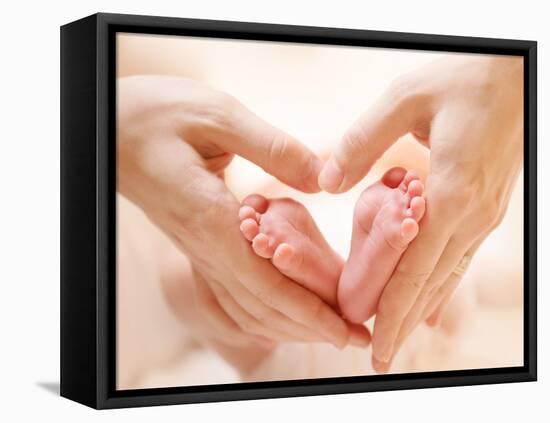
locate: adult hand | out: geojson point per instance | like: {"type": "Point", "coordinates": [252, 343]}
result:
{"type": "Point", "coordinates": [174, 140]}
{"type": "Point", "coordinates": [469, 112]}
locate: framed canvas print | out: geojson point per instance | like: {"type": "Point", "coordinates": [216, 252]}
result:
{"type": "Point", "coordinates": [257, 211]}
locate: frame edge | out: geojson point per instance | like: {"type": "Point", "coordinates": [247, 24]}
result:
{"type": "Point", "coordinates": [78, 212]}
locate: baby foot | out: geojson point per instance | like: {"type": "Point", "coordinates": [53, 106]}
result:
{"type": "Point", "coordinates": [385, 221]}
{"type": "Point", "coordinates": [283, 231]}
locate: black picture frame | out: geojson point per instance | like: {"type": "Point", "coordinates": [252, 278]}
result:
{"type": "Point", "coordinates": [88, 210]}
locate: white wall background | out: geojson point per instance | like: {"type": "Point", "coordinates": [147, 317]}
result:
{"type": "Point", "coordinates": [29, 211]}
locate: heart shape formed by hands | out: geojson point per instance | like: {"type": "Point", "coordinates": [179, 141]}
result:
{"type": "Point", "coordinates": [207, 128]}
{"type": "Point", "coordinates": [385, 221]}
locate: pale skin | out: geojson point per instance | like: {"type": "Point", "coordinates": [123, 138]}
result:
{"type": "Point", "coordinates": [464, 110]}
{"type": "Point", "coordinates": [469, 112]}
{"type": "Point", "coordinates": [174, 139]}
{"type": "Point", "coordinates": [283, 231]}
{"type": "Point", "coordinates": [385, 221]}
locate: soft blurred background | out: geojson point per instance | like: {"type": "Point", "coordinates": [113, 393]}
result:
{"type": "Point", "coordinates": [314, 93]}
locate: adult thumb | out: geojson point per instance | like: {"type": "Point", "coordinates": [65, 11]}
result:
{"type": "Point", "coordinates": [365, 141]}
{"type": "Point", "coordinates": [275, 151]}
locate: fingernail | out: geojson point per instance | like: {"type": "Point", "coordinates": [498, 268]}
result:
{"type": "Point", "coordinates": [312, 180]}
{"type": "Point", "coordinates": [331, 176]}
{"type": "Point", "coordinates": [383, 354]}
{"type": "Point", "coordinates": [380, 367]}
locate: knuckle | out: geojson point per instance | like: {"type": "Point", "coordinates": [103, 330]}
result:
{"type": "Point", "coordinates": [414, 279]}
{"type": "Point", "coordinates": [451, 198]}
{"type": "Point", "coordinates": [450, 194]}
{"type": "Point", "coordinates": [431, 290]}
{"type": "Point", "coordinates": [226, 101]}
{"type": "Point", "coordinates": [416, 282]}
{"type": "Point", "coordinates": [217, 207]}
{"type": "Point", "coordinates": [355, 140]}
{"type": "Point", "coordinates": [491, 214]}
{"type": "Point", "coordinates": [405, 91]}
{"type": "Point", "coordinates": [277, 146]}
{"type": "Point", "coordinates": [497, 220]}
{"type": "Point", "coordinates": [219, 109]}
{"type": "Point", "coordinates": [400, 88]}
{"type": "Point", "coordinates": [283, 150]}
{"type": "Point", "coordinates": [488, 218]}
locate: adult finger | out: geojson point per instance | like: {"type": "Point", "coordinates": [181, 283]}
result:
{"type": "Point", "coordinates": [224, 327]}
{"type": "Point", "coordinates": [391, 117]}
{"type": "Point", "coordinates": [437, 304]}
{"type": "Point", "coordinates": [380, 367]}
{"type": "Point", "coordinates": [443, 282]}
{"type": "Point", "coordinates": [454, 252]}
{"type": "Point", "coordinates": [288, 330]}
{"type": "Point", "coordinates": [273, 150]}
{"type": "Point", "coordinates": [244, 320]}
{"type": "Point", "coordinates": [439, 288]}
{"type": "Point", "coordinates": [359, 335]}
{"type": "Point", "coordinates": [297, 303]}
{"type": "Point", "coordinates": [408, 280]}
{"type": "Point", "coordinates": [266, 284]}
{"type": "Point", "coordinates": [434, 319]}
{"type": "Point", "coordinates": [255, 317]}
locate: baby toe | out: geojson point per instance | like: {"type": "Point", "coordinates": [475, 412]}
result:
{"type": "Point", "coordinates": [410, 176]}
{"type": "Point", "coordinates": [407, 180]}
{"type": "Point", "coordinates": [249, 228]}
{"type": "Point", "coordinates": [284, 257]}
{"type": "Point", "coordinates": [417, 208]}
{"type": "Point", "coordinates": [409, 229]}
{"type": "Point", "coordinates": [261, 246]}
{"type": "Point", "coordinates": [393, 177]}
{"type": "Point", "coordinates": [257, 202]}
{"type": "Point", "coordinates": [415, 188]}
{"type": "Point", "coordinates": [247, 212]}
